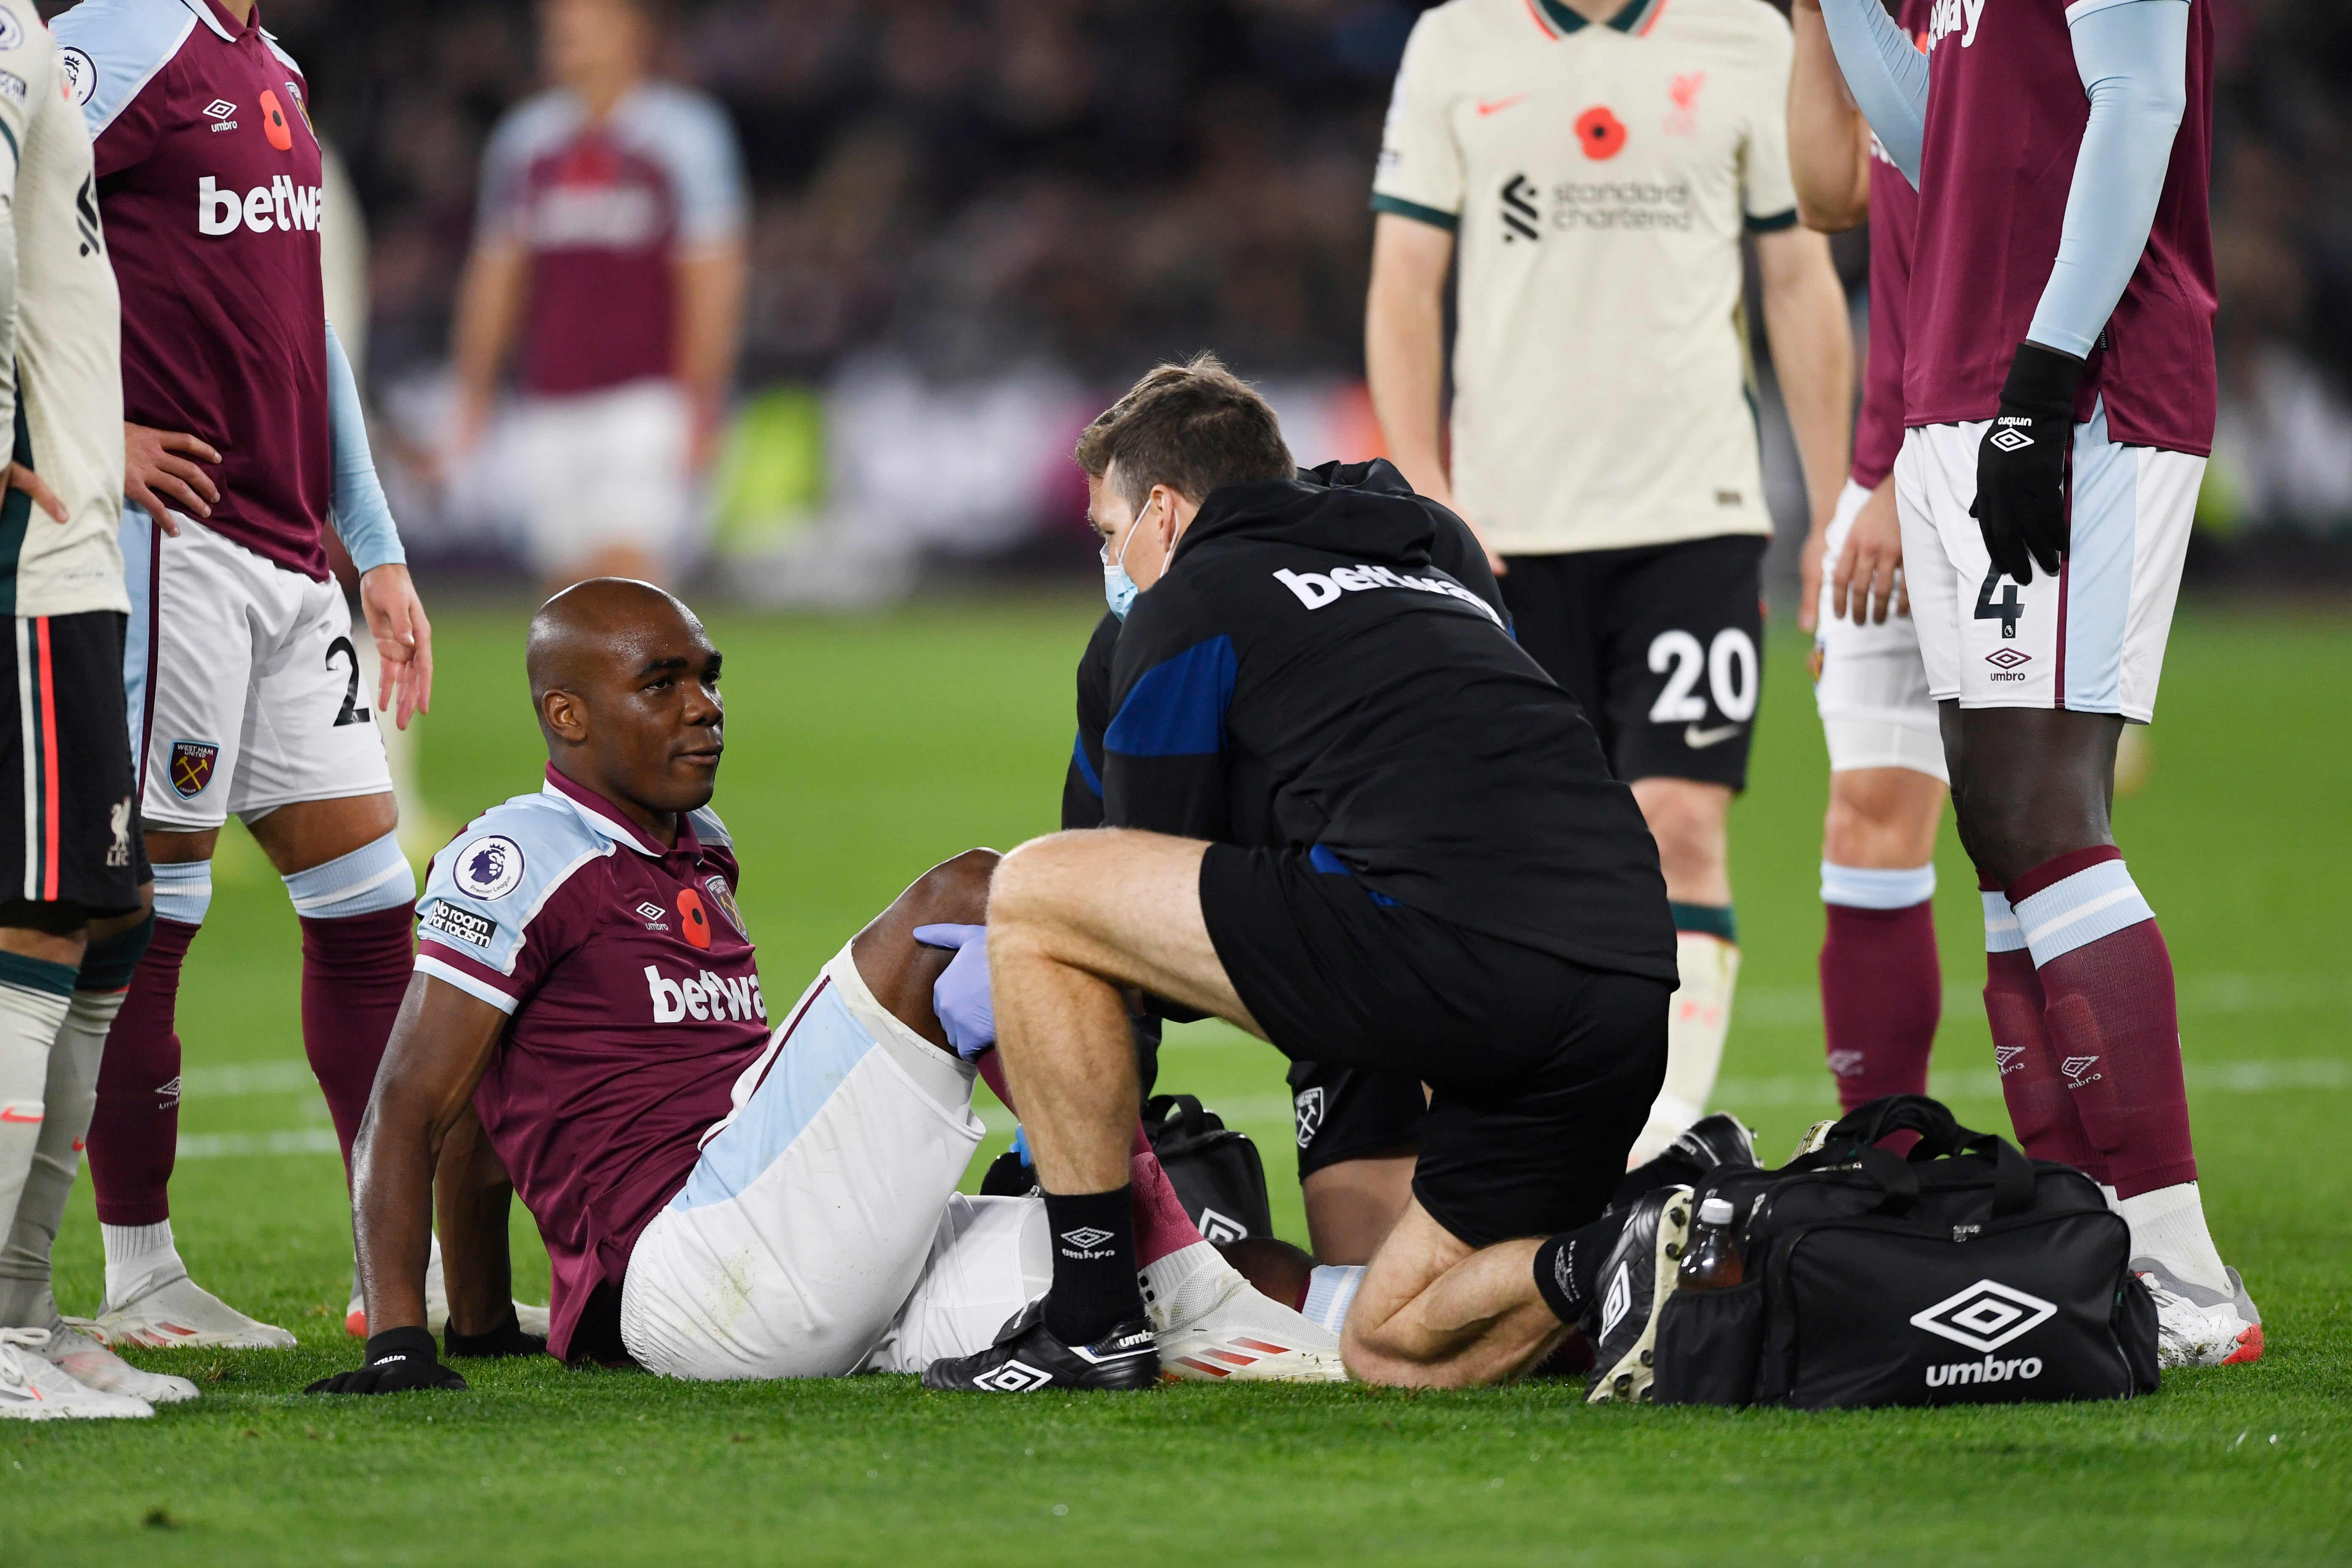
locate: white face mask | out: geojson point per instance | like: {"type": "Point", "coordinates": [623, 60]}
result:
{"type": "Point", "coordinates": [1118, 588]}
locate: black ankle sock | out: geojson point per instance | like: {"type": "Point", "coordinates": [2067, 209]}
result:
{"type": "Point", "coordinates": [1094, 1265]}
{"type": "Point", "coordinates": [1568, 1266]}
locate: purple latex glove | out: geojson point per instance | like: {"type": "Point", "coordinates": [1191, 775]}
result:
{"type": "Point", "coordinates": [959, 996]}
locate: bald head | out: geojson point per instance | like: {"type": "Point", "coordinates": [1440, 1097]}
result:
{"type": "Point", "coordinates": [624, 681]}
{"type": "Point", "coordinates": [592, 629]}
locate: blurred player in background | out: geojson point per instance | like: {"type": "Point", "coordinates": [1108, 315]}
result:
{"type": "Point", "coordinates": [2059, 391]}
{"type": "Point", "coordinates": [1881, 989]}
{"type": "Point", "coordinates": [610, 243]}
{"type": "Point", "coordinates": [73, 881]}
{"type": "Point", "coordinates": [244, 434]}
{"type": "Point", "coordinates": [1597, 163]}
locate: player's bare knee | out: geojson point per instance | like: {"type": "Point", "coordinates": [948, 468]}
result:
{"type": "Point", "coordinates": [954, 891]}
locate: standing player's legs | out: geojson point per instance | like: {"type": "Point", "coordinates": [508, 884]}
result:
{"type": "Point", "coordinates": [1882, 988]}
{"type": "Point", "coordinates": [245, 679]}
{"type": "Point", "coordinates": [72, 854]}
{"type": "Point", "coordinates": [1663, 647]}
{"type": "Point", "coordinates": [2048, 672]}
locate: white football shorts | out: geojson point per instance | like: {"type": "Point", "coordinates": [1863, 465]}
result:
{"type": "Point", "coordinates": [605, 469]}
{"type": "Point", "coordinates": [2091, 639]}
{"type": "Point", "coordinates": [1868, 682]}
{"type": "Point", "coordinates": [821, 1232]}
{"type": "Point", "coordinates": [244, 682]}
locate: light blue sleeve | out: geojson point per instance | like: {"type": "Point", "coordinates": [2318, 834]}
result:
{"type": "Point", "coordinates": [698, 147]}
{"type": "Point", "coordinates": [1886, 74]}
{"type": "Point", "coordinates": [485, 890]}
{"type": "Point", "coordinates": [113, 49]}
{"type": "Point", "coordinates": [363, 516]}
{"type": "Point", "coordinates": [2133, 58]}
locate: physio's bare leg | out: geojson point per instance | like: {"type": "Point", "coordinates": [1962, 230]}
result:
{"type": "Point", "coordinates": [1075, 922]}
{"type": "Point", "coordinates": [1435, 1312]}
{"type": "Point", "coordinates": [1352, 1206]}
{"type": "Point", "coordinates": [901, 971]}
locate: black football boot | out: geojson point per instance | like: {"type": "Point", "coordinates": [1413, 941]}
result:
{"type": "Point", "coordinates": [1025, 1358]}
{"type": "Point", "coordinates": [1640, 1272]}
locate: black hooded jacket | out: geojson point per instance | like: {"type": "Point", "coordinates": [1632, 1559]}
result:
{"type": "Point", "coordinates": [1313, 671]}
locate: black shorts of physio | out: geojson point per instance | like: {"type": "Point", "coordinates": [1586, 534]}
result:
{"type": "Point", "coordinates": [69, 830]}
{"type": "Point", "coordinates": [1541, 1071]}
{"type": "Point", "coordinates": [1341, 1113]}
{"type": "Point", "coordinates": [1663, 645]}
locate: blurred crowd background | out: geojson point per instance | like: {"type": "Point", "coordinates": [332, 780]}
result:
{"type": "Point", "coordinates": [973, 219]}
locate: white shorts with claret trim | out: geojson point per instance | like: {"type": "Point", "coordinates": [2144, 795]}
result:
{"type": "Point", "coordinates": [604, 469]}
{"type": "Point", "coordinates": [245, 687]}
{"type": "Point", "coordinates": [820, 1233]}
{"type": "Point", "coordinates": [2092, 638]}
{"type": "Point", "coordinates": [1868, 682]}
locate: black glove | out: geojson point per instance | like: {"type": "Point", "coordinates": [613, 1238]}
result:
{"type": "Point", "coordinates": [506, 1339]}
{"type": "Point", "coordinates": [397, 1360]}
{"type": "Point", "coordinates": [2021, 501]}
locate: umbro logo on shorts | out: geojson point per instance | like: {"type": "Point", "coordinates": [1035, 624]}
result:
{"type": "Point", "coordinates": [1013, 1377]}
{"type": "Point", "coordinates": [2007, 659]}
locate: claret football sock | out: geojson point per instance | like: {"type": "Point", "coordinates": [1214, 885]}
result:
{"type": "Point", "coordinates": [2107, 982]}
{"type": "Point", "coordinates": [134, 1130]}
{"type": "Point", "coordinates": [34, 996]}
{"type": "Point", "coordinates": [1162, 1228]}
{"type": "Point", "coordinates": [1094, 1290]}
{"type": "Point", "coordinates": [1707, 952]}
{"type": "Point", "coordinates": [358, 950]}
{"type": "Point", "coordinates": [25, 1301]}
{"type": "Point", "coordinates": [1881, 989]}
{"type": "Point", "coordinates": [2031, 1082]}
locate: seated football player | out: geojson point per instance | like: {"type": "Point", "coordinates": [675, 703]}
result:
{"type": "Point", "coordinates": [727, 1188]}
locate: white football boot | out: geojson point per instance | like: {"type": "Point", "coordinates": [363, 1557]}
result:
{"type": "Point", "coordinates": [93, 1365]}
{"type": "Point", "coordinates": [1213, 1325]}
{"type": "Point", "coordinates": [33, 1390]}
{"type": "Point", "coordinates": [171, 1309]}
{"type": "Point", "coordinates": [2198, 1327]}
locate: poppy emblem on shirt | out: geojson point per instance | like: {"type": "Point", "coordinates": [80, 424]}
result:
{"type": "Point", "coordinates": [273, 123]}
{"type": "Point", "coordinates": [693, 918]}
{"type": "Point", "coordinates": [1601, 133]}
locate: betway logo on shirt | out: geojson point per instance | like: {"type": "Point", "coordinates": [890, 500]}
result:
{"type": "Point", "coordinates": [1959, 17]}
{"type": "Point", "coordinates": [610, 217]}
{"type": "Point", "coordinates": [1317, 589]}
{"type": "Point", "coordinates": [719, 999]}
{"type": "Point", "coordinates": [281, 203]}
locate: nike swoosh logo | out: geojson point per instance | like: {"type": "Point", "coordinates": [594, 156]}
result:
{"type": "Point", "coordinates": [12, 1114]}
{"type": "Point", "coordinates": [1496, 106]}
{"type": "Point", "coordinates": [1699, 739]}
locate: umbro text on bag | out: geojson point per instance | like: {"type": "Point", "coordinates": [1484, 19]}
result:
{"type": "Point", "coordinates": [1966, 1274]}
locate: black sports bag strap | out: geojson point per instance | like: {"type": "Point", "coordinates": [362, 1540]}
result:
{"type": "Point", "coordinates": [1938, 1133]}
{"type": "Point", "coordinates": [1178, 1121]}
{"type": "Point", "coordinates": [1893, 1176]}
{"type": "Point", "coordinates": [2012, 1175]}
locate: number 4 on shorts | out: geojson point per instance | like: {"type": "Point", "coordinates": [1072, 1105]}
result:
{"type": "Point", "coordinates": [2007, 612]}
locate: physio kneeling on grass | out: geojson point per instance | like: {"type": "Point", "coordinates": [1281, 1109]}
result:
{"type": "Point", "coordinates": [1464, 895]}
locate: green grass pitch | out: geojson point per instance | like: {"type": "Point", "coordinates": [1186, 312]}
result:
{"type": "Point", "coordinates": [866, 749]}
